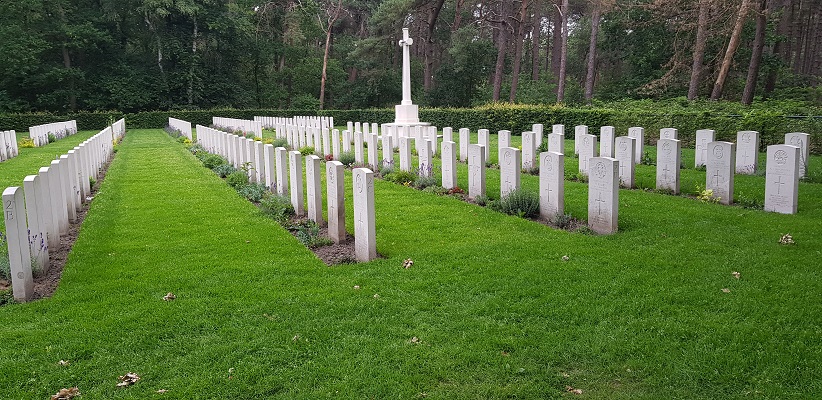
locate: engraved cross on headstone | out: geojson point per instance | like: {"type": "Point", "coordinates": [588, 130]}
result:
{"type": "Point", "coordinates": [779, 184]}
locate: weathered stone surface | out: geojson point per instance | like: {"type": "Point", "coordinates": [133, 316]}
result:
{"type": "Point", "coordinates": [476, 171]}
{"type": "Point", "coordinates": [747, 148]}
{"type": "Point", "coordinates": [365, 231]}
{"type": "Point", "coordinates": [703, 137]}
{"type": "Point", "coordinates": [719, 171]}
{"type": "Point", "coordinates": [335, 189]}
{"type": "Point", "coordinates": [782, 179]}
{"type": "Point", "coordinates": [509, 165]}
{"type": "Point", "coordinates": [667, 164]}
{"type": "Point", "coordinates": [625, 149]}
{"type": "Point", "coordinates": [551, 184]}
{"type": "Point", "coordinates": [603, 195]}
{"type": "Point", "coordinates": [14, 212]}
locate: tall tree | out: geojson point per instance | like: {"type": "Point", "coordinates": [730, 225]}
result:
{"type": "Point", "coordinates": [333, 14]}
{"type": "Point", "coordinates": [563, 55]}
{"type": "Point", "coordinates": [502, 44]}
{"type": "Point", "coordinates": [756, 54]}
{"type": "Point", "coordinates": [520, 41]}
{"type": "Point", "coordinates": [536, 31]}
{"type": "Point", "coordinates": [556, 39]}
{"type": "Point", "coordinates": [699, 48]}
{"type": "Point", "coordinates": [733, 43]}
{"type": "Point", "coordinates": [592, 51]}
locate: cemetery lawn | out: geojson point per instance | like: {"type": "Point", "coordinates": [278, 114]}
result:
{"type": "Point", "coordinates": [488, 310]}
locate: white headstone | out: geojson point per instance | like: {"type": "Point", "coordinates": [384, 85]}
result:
{"type": "Point", "coordinates": [485, 141]}
{"type": "Point", "coordinates": [346, 141]}
{"type": "Point", "coordinates": [719, 171]}
{"type": "Point", "coordinates": [326, 142]}
{"type": "Point", "coordinates": [465, 140]}
{"type": "Point", "coordinates": [359, 150]}
{"type": "Point", "coordinates": [667, 164]}
{"type": "Point", "coordinates": [587, 149]}
{"type": "Point", "coordinates": [529, 151]}
{"type": "Point", "coordinates": [68, 173]}
{"type": "Point", "coordinates": [603, 195]}
{"type": "Point", "coordinates": [559, 129]}
{"type": "Point", "coordinates": [37, 223]}
{"type": "Point", "coordinates": [335, 189]}
{"type": "Point", "coordinates": [426, 159]}
{"type": "Point", "coordinates": [476, 171]}
{"type": "Point", "coordinates": [579, 130]}
{"type": "Point", "coordinates": [14, 212]}
{"type": "Point", "coordinates": [387, 150]}
{"type": "Point", "coordinates": [405, 154]}
{"type": "Point", "coordinates": [268, 160]}
{"type": "Point", "coordinates": [624, 148]}
{"type": "Point", "coordinates": [46, 191]}
{"type": "Point", "coordinates": [638, 133]}
{"type": "Point", "coordinates": [782, 179]}
{"type": "Point", "coordinates": [58, 195]}
{"type": "Point", "coordinates": [800, 140]}
{"type": "Point", "coordinates": [538, 136]}
{"type": "Point", "coordinates": [447, 134]}
{"type": "Point", "coordinates": [747, 148]}
{"type": "Point", "coordinates": [432, 136]}
{"type": "Point", "coordinates": [509, 168]}
{"type": "Point", "coordinates": [606, 141]}
{"type": "Point", "coordinates": [449, 164]}
{"type": "Point", "coordinates": [668, 133]}
{"type": "Point", "coordinates": [503, 140]}
{"type": "Point", "coordinates": [556, 143]}
{"type": "Point", "coordinates": [703, 137]}
{"type": "Point", "coordinates": [259, 161]}
{"type": "Point", "coordinates": [551, 184]}
{"type": "Point", "coordinates": [313, 172]}
{"type": "Point", "coordinates": [281, 159]}
{"type": "Point", "coordinates": [373, 154]}
{"type": "Point", "coordinates": [295, 164]}
{"type": "Point", "coordinates": [335, 143]}
{"type": "Point", "coordinates": [365, 230]}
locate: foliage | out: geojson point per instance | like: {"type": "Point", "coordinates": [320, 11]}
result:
{"type": "Point", "coordinates": [306, 150]}
{"type": "Point", "coordinates": [706, 195]}
{"type": "Point", "coordinates": [52, 138]}
{"type": "Point", "coordinates": [25, 143]}
{"type": "Point", "coordinates": [280, 142]}
{"type": "Point", "coordinates": [347, 158]}
{"type": "Point", "coordinates": [308, 233]}
{"type": "Point", "coordinates": [424, 181]}
{"type": "Point", "coordinates": [482, 200]}
{"type": "Point", "coordinates": [401, 177]}
{"type": "Point", "coordinates": [277, 207]}
{"type": "Point", "coordinates": [563, 221]}
{"type": "Point", "coordinates": [5, 266]}
{"type": "Point", "coordinates": [237, 179]}
{"type": "Point", "coordinates": [212, 161]}
{"type": "Point", "coordinates": [435, 189]}
{"type": "Point", "coordinates": [224, 170]}
{"type": "Point", "coordinates": [520, 202]}
{"type": "Point", "coordinates": [252, 191]}
{"type": "Point", "coordinates": [750, 202]}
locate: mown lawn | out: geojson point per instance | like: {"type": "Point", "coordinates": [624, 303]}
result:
{"type": "Point", "coordinates": [498, 313]}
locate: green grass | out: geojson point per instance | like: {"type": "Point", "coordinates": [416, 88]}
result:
{"type": "Point", "coordinates": [498, 313]}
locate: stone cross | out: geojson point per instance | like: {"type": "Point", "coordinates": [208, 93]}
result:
{"type": "Point", "coordinates": [365, 231]}
{"type": "Point", "coordinates": [782, 179]}
{"type": "Point", "coordinates": [551, 184]}
{"type": "Point", "coordinates": [406, 44]}
{"type": "Point", "coordinates": [719, 171]}
{"type": "Point", "coordinates": [509, 166]}
{"type": "Point", "coordinates": [335, 189]}
{"type": "Point", "coordinates": [667, 164]}
{"type": "Point", "coordinates": [603, 195]}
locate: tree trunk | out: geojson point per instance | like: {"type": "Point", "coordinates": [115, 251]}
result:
{"type": "Point", "coordinates": [536, 29]}
{"type": "Point", "coordinates": [782, 8]}
{"type": "Point", "coordinates": [798, 35]}
{"type": "Point", "coordinates": [457, 15]}
{"type": "Point", "coordinates": [756, 55]}
{"type": "Point", "coordinates": [428, 79]}
{"type": "Point", "coordinates": [563, 57]}
{"type": "Point", "coordinates": [190, 89]}
{"type": "Point", "coordinates": [733, 43]}
{"type": "Point", "coordinates": [502, 43]}
{"type": "Point", "coordinates": [324, 77]}
{"type": "Point", "coordinates": [699, 48]}
{"type": "Point", "coordinates": [520, 41]}
{"type": "Point", "coordinates": [590, 77]}
{"type": "Point", "coordinates": [556, 45]}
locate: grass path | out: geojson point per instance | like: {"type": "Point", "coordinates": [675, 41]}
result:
{"type": "Point", "coordinates": [496, 310]}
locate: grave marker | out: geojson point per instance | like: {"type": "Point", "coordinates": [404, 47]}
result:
{"type": "Point", "coordinates": [638, 133]}
{"type": "Point", "coordinates": [313, 189]}
{"type": "Point", "coordinates": [14, 212]}
{"type": "Point", "coordinates": [405, 154]}
{"type": "Point", "coordinates": [67, 174]}
{"type": "Point", "coordinates": [625, 152]}
{"type": "Point", "coordinates": [335, 188]}
{"type": "Point", "coordinates": [281, 159]}
{"type": "Point", "coordinates": [579, 130]}
{"type": "Point", "coordinates": [373, 154]}
{"type": "Point", "coordinates": [538, 136]}
{"type": "Point", "coordinates": [37, 224]}
{"type": "Point", "coordinates": [295, 164]}
{"type": "Point", "coordinates": [556, 143]}
{"type": "Point", "coordinates": [703, 137]}
{"type": "Point", "coordinates": [465, 140]}
{"type": "Point", "coordinates": [800, 140]}
{"type": "Point", "coordinates": [669, 133]}
{"type": "Point", "coordinates": [326, 142]}
{"type": "Point", "coordinates": [510, 166]}
{"type": "Point", "coordinates": [503, 140]}
{"type": "Point", "coordinates": [606, 141]}
{"type": "Point", "coordinates": [359, 157]}
{"type": "Point", "coordinates": [387, 149]}
{"type": "Point", "coordinates": [449, 164]}
{"type": "Point", "coordinates": [476, 171]}
{"type": "Point", "coordinates": [426, 166]}
{"type": "Point", "coordinates": [259, 161]}
{"type": "Point", "coordinates": [719, 171]}
{"type": "Point", "coordinates": [782, 179]}
{"type": "Point", "coordinates": [447, 134]}
{"type": "Point", "coordinates": [587, 149]}
{"type": "Point", "coordinates": [346, 141]}
{"type": "Point", "coordinates": [58, 195]}
{"type": "Point", "coordinates": [667, 164]}
{"type": "Point", "coordinates": [529, 151]}
{"type": "Point", "coordinates": [268, 160]}
{"type": "Point", "coordinates": [335, 143]}
{"type": "Point", "coordinates": [365, 231]}
{"type": "Point", "coordinates": [54, 223]}
{"type": "Point", "coordinates": [747, 147]}
{"type": "Point", "coordinates": [551, 184]}
{"type": "Point", "coordinates": [603, 195]}
{"type": "Point", "coordinates": [485, 141]}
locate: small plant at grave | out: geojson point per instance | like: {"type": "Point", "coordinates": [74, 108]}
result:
{"type": "Point", "coordinates": [92, 181]}
{"type": "Point", "coordinates": [489, 164]}
{"type": "Point", "coordinates": [749, 202]}
{"type": "Point", "coordinates": [308, 233]}
{"type": "Point", "coordinates": [520, 202]}
{"type": "Point", "coordinates": [246, 167]}
{"type": "Point", "coordinates": [5, 266]}
{"type": "Point", "coordinates": [646, 159]}
{"type": "Point", "coordinates": [456, 190]}
{"type": "Point", "coordinates": [706, 195]}
{"type": "Point", "coordinates": [585, 230]}
{"type": "Point", "coordinates": [306, 150]}
{"type": "Point", "coordinates": [482, 200]}
{"type": "Point", "coordinates": [436, 189]}
{"type": "Point", "coordinates": [701, 168]}
{"type": "Point", "coordinates": [563, 221]}
{"type": "Point", "coordinates": [25, 143]}
{"type": "Point", "coordinates": [329, 157]}
{"type": "Point", "coordinates": [268, 141]}
{"type": "Point", "coordinates": [665, 191]}
{"type": "Point", "coordinates": [576, 176]}
{"type": "Point", "coordinates": [197, 149]}
{"type": "Point", "coordinates": [52, 138]}
{"type": "Point", "coordinates": [184, 140]}
{"type": "Point", "coordinates": [252, 191]}
{"type": "Point", "coordinates": [280, 142]}
{"type": "Point", "coordinates": [812, 176]}
{"type": "Point", "coordinates": [347, 158]}
{"type": "Point", "coordinates": [175, 133]}
{"type": "Point", "coordinates": [224, 170]}
{"type": "Point", "coordinates": [212, 161]}
{"type": "Point", "coordinates": [543, 147]}
{"type": "Point", "coordinates": [6, 297]}
{"type": "Point", "coordinates": [237, 179]}
{"type": "Point", "coordinates": [386, 169]}
{"type": "Point", "coordinates": [401, 177]}
{"type": "Point", "coordinates": [531, 170]}
{"type": "Point", "coordinates": [277, 207]}
{"type": "Point", "coordinates": [425, 181]}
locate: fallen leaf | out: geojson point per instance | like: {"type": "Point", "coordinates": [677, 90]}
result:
{"type": "Point", "coordinates": [356, 287]}
{"type": "Point", "coordinates": [170, 296]}
{"type": "Point", "coordinates": [407, 263]}
{"type": "Point", "coordinates": [63, 363]}
{"type": "Point", "coordinates": [570, 389]}
{"type": "Point", "coordinates": [565, 375]}
{"type": "Point", "coordinates": [726, 290]}
{"type": "Point", "coordinates": [248, 241]}
{"type": "Point", "coordinates": [376, 296]}
{"type": "Point", "coordinates": [66, 394]}
{"type": "Point", "coordinates": [415, 340]}
{"type": "Point", "coordinates": [162, 391]}
{"type": "Point", "coordinates": [128, 379]}
{"type": "Point", "coordinates": [295, 338]}
{"type": "Point", "coordinates": [735, 274]}
{"type": "Point", "coordinates": [565, 258]}
{"type": "Point", "coordinates": [505, 353]}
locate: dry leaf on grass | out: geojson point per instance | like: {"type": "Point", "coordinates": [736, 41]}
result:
{"type": "Point", "coordinates": [570, 389]}
{"type": "Point", "coordinates": [62, 363]}
{"type": "Point", "coordinates": [66, 394]}
{"type": "Point", "coordinates": [565, 258]}
{"type": "Point", "coordinates": [356, 287]}
{"type": "Point", "coordinates": [376, 296]}
{"type": "Point", "coordinates": [170, 296]}
{"type": "Point", "coordinates": [407, 263]}
{"type": "Point", "coordinates": [726, 290]}
{"type": "Point", "coordinates": [505, 353]}
{"type": "Point", "coordinates": [735, 274]}
{"type": "Point", "coordinates": [415, 340]}
{"type": "Point", "coordinates": [161, 391]}
{"type": "Point", "coordinates": [128, 379]}
{"type": "Point", "coordinates": [786, 239]}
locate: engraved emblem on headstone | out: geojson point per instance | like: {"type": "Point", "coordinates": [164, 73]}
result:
{"type": "Point", "coordinates": [547, 163]}
{"type": "Point", "coordinates": [599, 170]}
{"type": "Point", "coordinates": [781, 157]}
{"type": "Point", "coordinates": [718, 153]}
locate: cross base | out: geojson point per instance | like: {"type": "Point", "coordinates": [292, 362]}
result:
{"type": "Point", "coordinates": [407, 114]}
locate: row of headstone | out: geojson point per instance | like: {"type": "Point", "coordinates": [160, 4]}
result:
{"type": "Point", "coordinates": [40, 133]}
{"type": "Point", "coordinates": [40, 212]}
{"type": "Point", "coordinates": [183, 126]}
{"type": "Point", "coordinates": [283, 174]}
{"type": "Point", "coordinates": [312, 121]}
{"type": "Point", "coordinates": [234, 124]}
{"type": "Point", "coordinates": [8, 145]}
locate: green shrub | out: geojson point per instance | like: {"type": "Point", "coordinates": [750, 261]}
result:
{"type": "Point", "coordinates": [224, 170]}
{"type": "Point", "coordinates": [308, 233]}
{"type": "Point", "coordinates": [482, 200]}
{"type": "Point", "coordinates": [563, 221]}
{"type": "Point", "coordinates": [277, 207]}
{"type": "Point", "coordinates": [401, 177]}
{"type": "Point", "coordinates": [52, 138]}
{"type": "Point", "coordinates": [6, 297]}
{"type": "Point", "coordinates": [749, 202]}
{"type": "Point", "coordinates": [386, 169]}
{"type": "Point", "coordinates": [237, 179]}
{"type": "Point", "coordinates": [347, 158]}
{"type": "Point", "coordinates": [306, 150]}
{"type": "Point", "coordinates": [252, 191]}
{"type": "Point", "coordinates": [436, 189]}
{"type": "Point", "coordinates": [212, 161]}
{"type": "Point", "coordinates": [520, 202]}
{"type": "Point", "coordinates": [422, 181]}
{"type": "Point", "coordinates": [280, 142]}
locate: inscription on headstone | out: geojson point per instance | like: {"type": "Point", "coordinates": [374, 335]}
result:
{"type": "Point", "coordinates": [365, 231]}
{"type": "Point", "coordinates": [638, 133]}
{"type": "Point", "coordinates": [476, 171]}
{"type": "Point", "coordinates": [719, 171]}
{"type": "Point", "coordinates": [800, 140]}
{"type": "Point", "coordinates": [314, 190]}
{"type": "Point", "coordinates": [747, 147]}
{"type": "Point", "coordinates": [782, 179]}
{"type": "Point", "coordinates": [335, 188]}
{"type": "Point", "coordinates": [624, 148]}
{"type": "Point", "coordinates": [551, 184]}
{"type": "Point", "coordinates": [603, 195]}
{"type": "Point", "coordinates": [449, 164]}
{"type": "Point", "coordinates": [587, 150]}
{"type": "Point", "coordinates": [606, 141]}
{"type": "Point", "coordinates": [667, 164]}
{"type": "Point", "coordinates": [703, 137]}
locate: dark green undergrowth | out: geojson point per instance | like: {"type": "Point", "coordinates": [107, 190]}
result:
{"type": "Point", "coordinates": [496, 310]}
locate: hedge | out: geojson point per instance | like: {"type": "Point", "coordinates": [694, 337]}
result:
{"type": "Point", "coordinates": [517, 118]}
